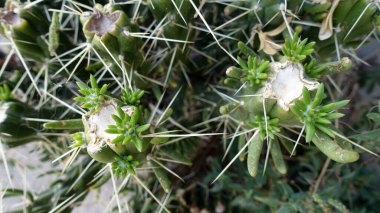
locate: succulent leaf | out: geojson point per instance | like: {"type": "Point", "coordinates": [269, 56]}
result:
{"type": "Point", "coordinates": [130, 97]}
{"type": "Point", "coordinates": [317, 116]}
{"type": "Point", "coordinates": [255, 72]}
{"type": "Point", "coordinates": [124, 165]}
{"type": "Point", "coordinates": [128, 128]}
{"type": "Point", "coordinates": [92, 97]}
{"type": "Point", "coordinates": [297, 51]}
{"type": "Point", "coordinates": [5, 93]}
{"type": "Point", "coordinates": [79, 139]}
{"type": "Point", "coordinates": [266, 124]}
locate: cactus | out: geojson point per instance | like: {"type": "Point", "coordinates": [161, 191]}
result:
{"type": "Point", "coordinates": [132, 96]}
{"type": "Point", "coordinates": [287, 85]}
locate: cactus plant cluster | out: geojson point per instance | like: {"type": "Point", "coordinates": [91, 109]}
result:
{"type": "Point", "coordinates": [143, 97]}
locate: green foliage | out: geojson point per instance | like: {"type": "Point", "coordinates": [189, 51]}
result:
{"type": "Point", "coordinates": [162, 176]}
{"type": "Point", "coordinates": [245, 50]}
{"type": "Point", "coordinates": [313, 70]}
{"type": "Point", "coordinates": [295, 50]}
{"type": "Point", "coordinates": [54, 33]}
{"type": "Point", "coordinates": [271, 193]}
{"type": "Point", "coordinates": [338, 205]}
{"type": "Point", "coordinates": [375, 117]}
{"type": "Point", "coordinates": [5, 93]}
{"type": "Point", "coordinates": [155, 47]}
{"type": "Point", "coordinates": [254, 72]}
{"type": "Point", "coordinates": [64, 124]}
{"type": "Point", "coordinates": [373, 134]}
{"type": "Point", "coordinates": [315, 115]}
{"type": "Point", "coordinates": [265, 124]}
{"type": "Point", "coordinates": [132, 97]}
{"type": "Point", "coordinates": [124, 165]}
{"type": "Point", "coordinates": [79, 139]}
{"type": "Point", "coordinates": [93, 96]}
{"type": "Point", "coordinates": [127, 128]}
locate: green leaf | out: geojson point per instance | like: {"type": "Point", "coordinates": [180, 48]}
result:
{"type": "Point", "coordinates": [103, 89]}
{"type": "Point", "coordinates": [159, 140]}
{"type": "Point", "coordinates": [79, 99]}
{"type": "Point", "coordinates": [242, 63]}
{"type": "Point", "coordinates": [130, 170]}
{"type": "Point", "coordinates": [234, 72]}
{"type": "Point", "coordinates": [112, 131]}
{"type": "Point", "coordinates": [375, 117]}
{"type": "Point", "coordinates": [319, 96]}
{"type": "Point", "coordinates": [167, 114]}
{"type": "Point", "coordinates": [274, 121]}
{"type": "Point", "coordinates": [142, 128]}
{"type": "Point", "coordinates": [245, 49]}
{"type": "Point", "coordinates": [310, 131]}
{"type": "Point", "coordinates": [334, 106]}
{"type": "Point", "coordinates": [65, 124]}
{"type": "Point", "coordinates": [296, 51]}
{"type": "Point", "coordinates": [277, 157]}
{"type": "Point", "coordinates": [124, 165]}
{"type": "Point", "coordinates": [135, 116]}
{"type": "Point", "coordinates": [162, 176]}
{"type": "Point", "coordinates": [127, 139]}
{"type": "Point", "coordinates": [309, 46]}
{"type": "Point", "coordinates": [138, 143]}
{"type": "Point", "coordinates": [334, 115]}
{"type": "Point", "coordinates": [139, 93]}
{"type": "Point", "coordinates": [120, 112]}
{"type": "Point", "coordinates": [323, 121]}
{"type": "Point", "coordinates": [82, 85]}
{"type": "Point", "coordinates": [306, 95]}
{"type": "Point", "coordinates": [87, 105]}
{"type": "Point", "coordinates": [254, 151]}
{"type": "Point", "coordinates": [54, 33]}
{"type": "Point", "coordinates": [297, 110]}
{"type": "Point", "coordinates": [118, 139]}
{"type": "Point", "coordinates": [331, 149]}
{"type": "Point", "coordinates": [117, 119]}
{"type": "Point", "coordinates": [85, 92]}
{"type": "Point", "coordinates": [93, 82]}
{"type": "Point", "coordinates": [370, 135]}
{"type": "Point", "coordinates": [325, 130]}
{"type": "Point", "coordinates": [300, 105]}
